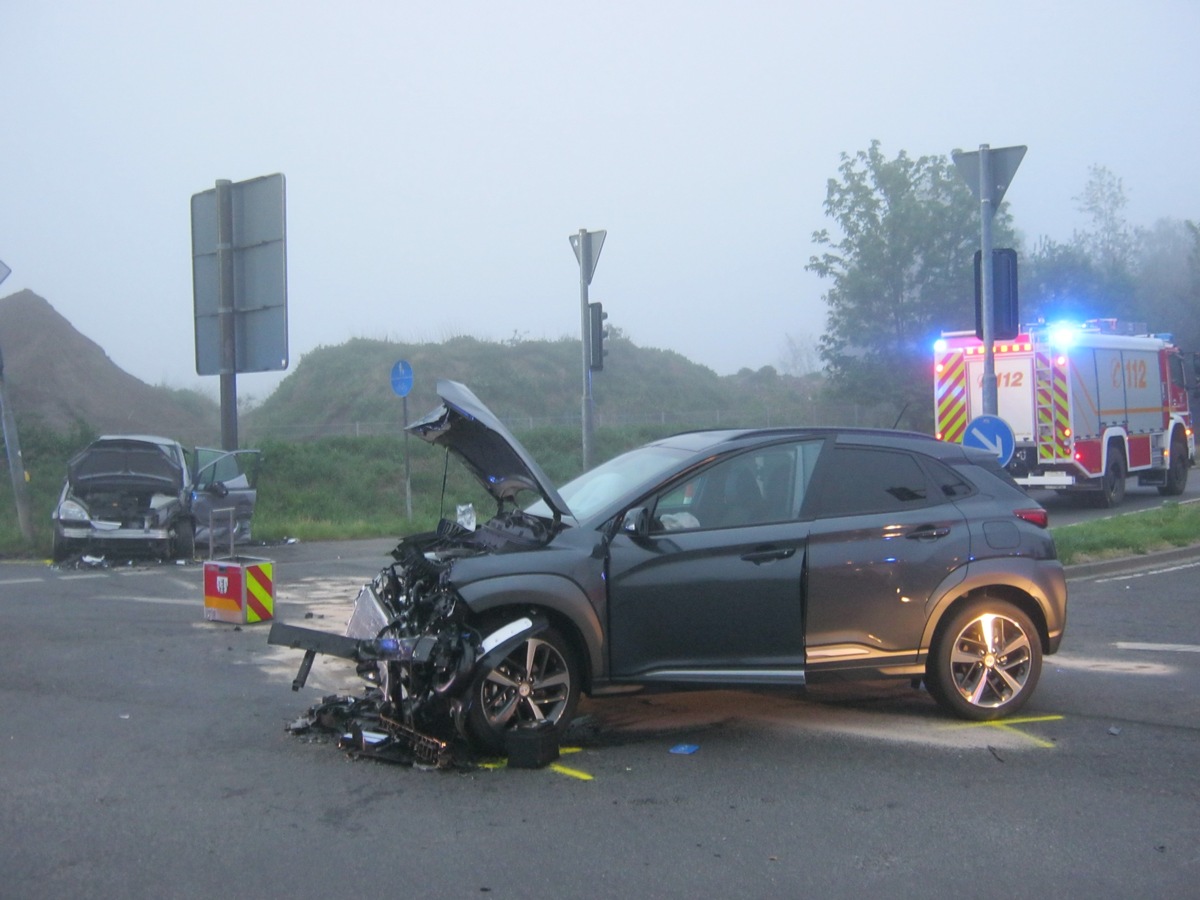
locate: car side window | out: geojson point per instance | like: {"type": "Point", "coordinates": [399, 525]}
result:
{"type": "Point", "coordinates": [948, 481]}
{"type": "Point", "coordinates": [755, 488]}
{"type": "Point", "coordinates": [864, 480]}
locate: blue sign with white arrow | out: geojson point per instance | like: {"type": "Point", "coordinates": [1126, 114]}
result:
{"type": "Point", "coordinates": [993, 434]}
{"type": "Point", "coordinates": [402, 378]}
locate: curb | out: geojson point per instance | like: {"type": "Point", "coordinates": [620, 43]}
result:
{"type": "Point", "coordinates": [1132, 563]}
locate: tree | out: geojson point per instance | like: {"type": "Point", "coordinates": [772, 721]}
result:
{"type": "Point", "coordinates": [1060, 282]}
{"type": "Point", "coordinates": [1110, 242]}
{"type": "Point", "coordinates": [1168, 281]}
{"type": "Point", "coordinates": [901, 273]}
{"type": "Point", "coordinates": [801, 356]}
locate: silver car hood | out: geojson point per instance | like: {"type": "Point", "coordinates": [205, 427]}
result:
{"type": "Point", "coordinates": [469, 430]}
{"type": "Point", "coordinates": [125, 464]}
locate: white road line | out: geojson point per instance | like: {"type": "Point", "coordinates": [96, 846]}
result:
{"type": "Point", "coordinates": [1133, 575]}
{"type": "Point", "coordinates": [1160, 648]}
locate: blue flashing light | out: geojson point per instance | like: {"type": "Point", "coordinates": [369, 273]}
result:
{"type": "Point", "coordinates": [939, 346]}
{"type": "Point", "coordinates": [1063, 335]}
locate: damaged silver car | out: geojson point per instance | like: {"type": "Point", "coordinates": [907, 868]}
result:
{"type": "Point", "coordinates": [780, 556]}
{"type": "Point", "coordinates": [144, 494]}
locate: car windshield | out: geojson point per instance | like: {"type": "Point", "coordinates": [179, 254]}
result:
{"type": "Point", "coordinates": [598, 487]}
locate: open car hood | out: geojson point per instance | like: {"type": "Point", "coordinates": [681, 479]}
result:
{"type": "Point", "coordinates": [124, 464]}
{"type": "Point", "coordinates": [469, 430]}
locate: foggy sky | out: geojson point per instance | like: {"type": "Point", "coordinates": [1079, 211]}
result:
{"type": "Point", "coordinates": [438, 155]}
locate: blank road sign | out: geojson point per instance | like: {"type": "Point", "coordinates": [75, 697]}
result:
{"type": "Point", "coordinates": [259, 274]}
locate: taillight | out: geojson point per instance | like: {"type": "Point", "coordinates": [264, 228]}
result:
{"type": "Point", "coordinates": [1038, 517]}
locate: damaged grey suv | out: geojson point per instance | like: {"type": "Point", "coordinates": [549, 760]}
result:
{"type": "Point", "coordinates": [779, 556]}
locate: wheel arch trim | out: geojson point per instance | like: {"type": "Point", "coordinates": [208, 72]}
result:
{"type": "Point", "coordinates": [562, 601]}
{"type": "Point", "coordinates": [1038, 590]}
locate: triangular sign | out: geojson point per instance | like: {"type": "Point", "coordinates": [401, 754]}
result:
{"type": "Point", "coordinates": [594, 242]}
{"type": "Point", "coordinates": [1003, 162]}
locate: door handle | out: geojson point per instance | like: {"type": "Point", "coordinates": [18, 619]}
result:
{"type": "Point", "coordinates": [927, 533]}
{"type": "Point", "coordinates": [768, 554]}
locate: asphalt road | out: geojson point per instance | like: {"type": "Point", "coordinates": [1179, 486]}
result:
{"type": "Point", "coordinates": [143, 754]}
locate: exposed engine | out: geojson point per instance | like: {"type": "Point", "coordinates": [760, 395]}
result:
{"type": "Point", "coordinates": [415, 643]}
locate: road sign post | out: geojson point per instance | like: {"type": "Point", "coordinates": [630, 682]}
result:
{"type": "Point", "coordinates": [239, 282]}
{"type": "Point", "coordinates": [587, 245]}
{"type": "Point", "coordinates": [988, 173]}
{"type": "Point", "coordinates": [12, 449]}
{"type": "Point", "coordinates": [402, 382]}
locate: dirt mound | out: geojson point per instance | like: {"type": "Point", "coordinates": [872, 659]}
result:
{"type": "Point", "coordinates": [57, 378]}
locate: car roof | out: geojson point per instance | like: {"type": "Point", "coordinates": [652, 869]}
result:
{"type": "Point", "coordinates": [717, 439]}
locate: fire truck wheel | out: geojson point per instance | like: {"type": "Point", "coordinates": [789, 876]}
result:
{"type": "Point", "coordinates": [985, 662]}
{"type": "Point", "coordinates": [1112, 490]}
{"type": "Point", "coordinates": [1177, 473]}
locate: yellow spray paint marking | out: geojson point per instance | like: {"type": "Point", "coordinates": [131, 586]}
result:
{"type": "Point", "coordinates": [571, 773]}
{"type": "Point", "coordinates": [1007, 725]}
{"type": "Point", "coordinates": [555, 767]}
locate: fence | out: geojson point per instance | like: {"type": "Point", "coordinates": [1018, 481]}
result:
{"type": "Point", "coordinates": [855, 415]}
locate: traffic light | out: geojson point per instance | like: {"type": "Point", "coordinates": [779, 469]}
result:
{"type": "Point", "coordinates": [596, 335]}
{"type": "Point", "coordinates": [1006, 323]}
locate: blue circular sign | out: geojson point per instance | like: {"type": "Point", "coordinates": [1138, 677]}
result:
{"type": "Point", "coordinates": [993, 434]}
{"type": "Point", "coordinates": [402, 378]}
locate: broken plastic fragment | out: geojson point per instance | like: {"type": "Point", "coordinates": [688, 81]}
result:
{"type": "Point", "coordinates": [685, 749]}
{"type": "Point", "coordinates": [466, 516]}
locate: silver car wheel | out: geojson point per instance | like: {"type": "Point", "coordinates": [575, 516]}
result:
{"type": "Point", "coordinates": [991, 660]}
{"type": "Point", "coordinates": [531, 684]}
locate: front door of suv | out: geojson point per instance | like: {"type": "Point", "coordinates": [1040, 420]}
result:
{"type": "Point", "coordinates": [716, 584]}
{"type": "Point", "coordinates": [885, 534]}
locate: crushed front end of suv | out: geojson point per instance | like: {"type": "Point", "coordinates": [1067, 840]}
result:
{"type": "Point", "coordinates": [731, 558]}
{"type": "Point", "coordinates": [143, 494]}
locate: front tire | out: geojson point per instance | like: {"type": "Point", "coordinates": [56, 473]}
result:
{"type": "Point", "coordinates": [62, 549]}
{"type": "Point", "coordinates": [1177, 471]}
{"type": "Point", "coordinates": [986, 662]}
{"type": "Point", "coordinates": [184, 542]}
{"type": "Point", "coordinates": [537, 682]}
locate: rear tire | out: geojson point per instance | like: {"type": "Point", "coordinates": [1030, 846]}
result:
{"type": "Point", "coordinates": [1112, 483]}
{"type": "Point", "coordinates": [986, 662]}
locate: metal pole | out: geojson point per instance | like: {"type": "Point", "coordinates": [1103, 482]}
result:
{"type": "Point", "coordinates": [585, 266]}
{"type": "Point", "coordinates": [407, 473]}
{"type": "Point", "coordinates": [16, 464]}
{"type": "Point", "coordinates": [225, 321]}
{"type": "Point", "coordinates": [987, 187]}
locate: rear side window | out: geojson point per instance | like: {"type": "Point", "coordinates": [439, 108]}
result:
{"type": "Point", "coordinates": [952, 486]}
{"type": "Point", "coordinates": [860, 480]}
{"type": "Point", "coordinates": [982, 465]}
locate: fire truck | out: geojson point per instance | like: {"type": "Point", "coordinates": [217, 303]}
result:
{"type": "Point", "coordinates": [1089, 405]}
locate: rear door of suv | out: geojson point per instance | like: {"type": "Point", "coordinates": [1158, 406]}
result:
{"type": "Point", "coordinates": [885, 536]}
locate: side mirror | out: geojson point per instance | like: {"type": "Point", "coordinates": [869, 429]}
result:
{"type": "Point", "coordinates": [637, 522]}
{"type": "Point", "coordinates": [218, 489]}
